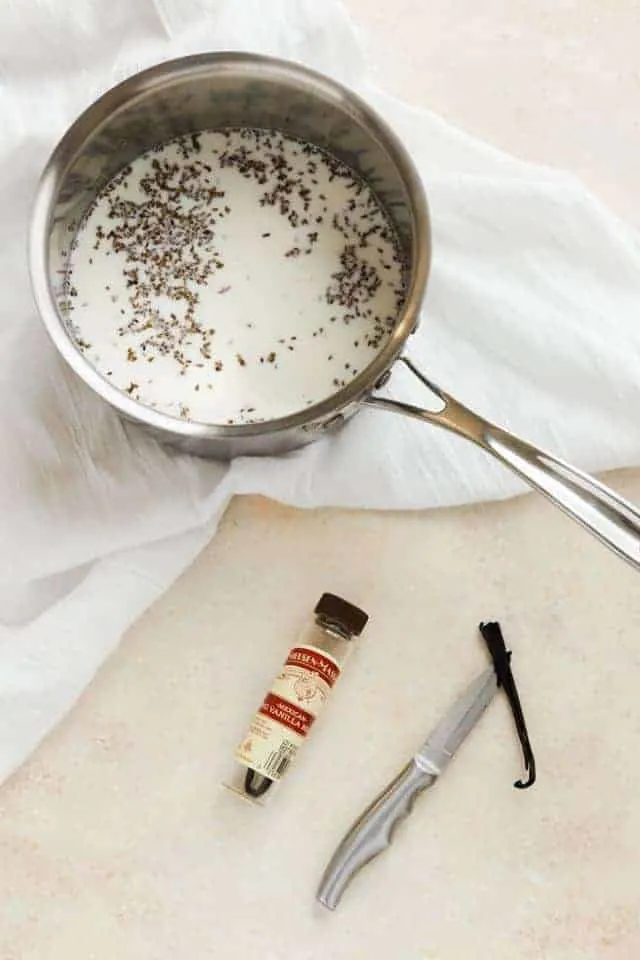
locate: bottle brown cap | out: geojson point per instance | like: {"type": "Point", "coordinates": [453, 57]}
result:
{"type": "Point", "coordinates": [334, 611]}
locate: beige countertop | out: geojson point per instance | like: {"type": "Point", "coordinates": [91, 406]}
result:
{"type": "Point", "coordinates": [116, 840]}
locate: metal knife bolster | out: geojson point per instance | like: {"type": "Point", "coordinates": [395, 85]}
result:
{"type": "Point", "coordinates": [372, 832]}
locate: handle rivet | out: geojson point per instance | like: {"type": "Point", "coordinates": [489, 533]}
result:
{"type": "Point", "coordinates": [383, 380]}
{"type": "Point", "coordinates": [334, 422]}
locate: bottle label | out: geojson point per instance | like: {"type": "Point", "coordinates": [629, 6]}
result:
{"type": "Point", "coordinates": [289, 709]}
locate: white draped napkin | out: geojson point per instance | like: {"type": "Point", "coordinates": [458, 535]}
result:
{"type": "Point", "coordinates": [532, 317]}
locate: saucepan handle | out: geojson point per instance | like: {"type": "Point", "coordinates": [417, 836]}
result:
{"type": "Point", "coordinates": [609, 517]}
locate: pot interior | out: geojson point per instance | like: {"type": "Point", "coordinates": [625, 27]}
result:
{"type": "Point", "coordinates": [218, 91]}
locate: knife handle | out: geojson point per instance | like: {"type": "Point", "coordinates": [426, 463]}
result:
{"type": "Point", "coordinates": [372, 832]}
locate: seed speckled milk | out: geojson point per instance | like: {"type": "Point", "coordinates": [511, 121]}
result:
{"type": "Point", "coordinates": [233, 276]}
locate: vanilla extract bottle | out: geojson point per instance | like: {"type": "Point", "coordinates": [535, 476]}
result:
{"type": "Point", "coordinates": [297, 695]}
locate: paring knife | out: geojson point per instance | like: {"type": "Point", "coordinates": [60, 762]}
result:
{"type": "Point", "coordinates": [372, 831]}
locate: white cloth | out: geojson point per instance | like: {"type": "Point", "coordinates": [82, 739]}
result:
{"type": "Point", "coordinates": [531, 317]}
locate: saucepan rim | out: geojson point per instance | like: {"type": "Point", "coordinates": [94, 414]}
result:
{"type": "Point", "coordinates": [158, 77]}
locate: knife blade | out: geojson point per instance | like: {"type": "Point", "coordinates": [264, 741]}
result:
{"type": "Point", "coordinates": [373, 830]}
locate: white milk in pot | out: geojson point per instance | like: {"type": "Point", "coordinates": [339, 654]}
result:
{"type": "Point", "coordinates": [233, 276]}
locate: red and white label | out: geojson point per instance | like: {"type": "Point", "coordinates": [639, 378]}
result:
{"type": "Point", "coordinates": [296, 720]}
{"type": "Point", "coordinates": [288, 711]}
{"type": "Point", "coordinates": [315, 662]}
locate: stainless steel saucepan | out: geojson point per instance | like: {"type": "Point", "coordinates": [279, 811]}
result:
{"type": "Point", "coordinates": [233, 89]}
